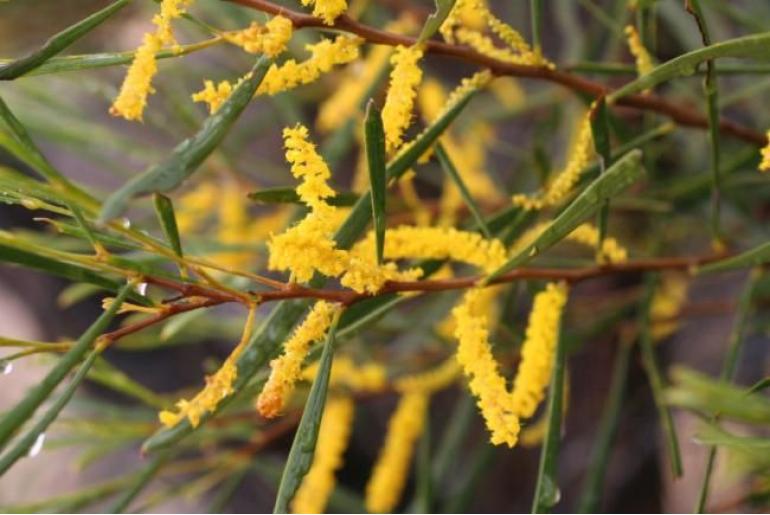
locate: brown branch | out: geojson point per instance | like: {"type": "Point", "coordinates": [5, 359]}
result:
{"type": "Point", "coordinates": [647, 102]}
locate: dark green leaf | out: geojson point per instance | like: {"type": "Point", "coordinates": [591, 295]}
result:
{"type": "Point", "coordinates": [289, 196]}
{"type": "Point", "coordinates": [434, 21]}
{"type": "Point", "coordinates": [58, 42]}
{"type": "Point", "coordinates": [164, 208]}
{"type": "Point", "coordinates": [303, 447]}
{"type": "Point", "coordinates": [449, 168]}
{"type": "Point", "coordinates": [374, 139]}
{"type": "Point", "coordinates": [754, 257]}
{"type": "Point", "coordinates": [190, 154]}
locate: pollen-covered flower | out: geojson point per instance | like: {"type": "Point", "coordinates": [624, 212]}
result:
{"type": "Point", "coordinates": [485, 381]}
{"type": "Point", "coordinates": [213, 95]}
{"type": "Point", "coordinates": [391, 470]}
{"type": "Point", "coordinates": [218, 386]}
{"type": "Point", "coordinates": [764, 166]}
{"type": "Point", "coordinates": [333, 436]}
{"type": "Point", "coordinates": [644, 62]}
{"type": "Point", "coordinates": [539, 349]}
{"type": "Point", "coordinates": [399, 102]}
{"type": "Point", "coordinates": [269, 39]}
{"type": "Point", "coordinates": [327, 10]}
{"type": "Point", "coordinates": [560, 187]}
{"type": "Point", "coordinates": [286, 369]}
{"type": "Point", "coordinates": [137, 85]}
{"type": "Point", "coordinates": [324, 56]}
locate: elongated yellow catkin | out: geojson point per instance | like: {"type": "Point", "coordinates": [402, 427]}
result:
{"type": "Point", "coordinates": [644, 62]}
{"type": "Point", "coordinates": [399, 102]}
{"type": "Point", "coordinates": [218, 385]}
{"type": "Point", "coordinates": [363, 378]}
{"type": "Point", "coordinates": [539, 349]}
{"type": "Point", "coordinates": [333, 436]}
{"type": "Point", "coordinates": [137, 86]}
{"type": "Point", "coordinates": [286, 369]}
{"type": "Point", "coordinates": [667, 301]}
{"type": "Point", "coordinates": [390, 473]}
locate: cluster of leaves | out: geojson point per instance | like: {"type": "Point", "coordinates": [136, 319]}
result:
{"type": "Point", "coordinates": [80, 239]}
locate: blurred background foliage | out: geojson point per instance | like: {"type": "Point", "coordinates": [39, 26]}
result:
{"type": "Point", "coordinates": [522, 130]}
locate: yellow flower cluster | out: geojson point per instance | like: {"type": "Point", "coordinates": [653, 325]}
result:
{"type": "Point", "coordinates": [585, 234]}
{"type": "Point", "coordinates": [333, 435]}
{"type": "Point", "coordinates": [269, 39]}
{"type": "Point", "coordinates": [667, 301]}
{"type": "Point", "coordinates": [286, 369]}
{"type": "Point", "coordinates": [539, 349]}
{"type": "Point", "coordinates": [644, 62]}
{"type": "Point", "coordinates": [137, 85]}
{"type": "Point", "coordinates": [485, 381]}
{"type": "Point", "coordinates": [327, 10]}
{"type": "Point", "coordinates": [399, 102]}
{"type": "Point", "coordinates": [764, 166]}
{"type": "Point", "coordinates": [468, 19]}
{"type": "Point", "coordinates": [348, 96]}
{"type": "Point", "coordinates": [367, 377]}
{"type": "Point", "coordinates": [559, 188]}
{"type": "Point", "coordinates": [389, 475]}
{"type": "Point", "coordinates": [324, 56]}
{"type": "Point", "coordinates": [218, 386]}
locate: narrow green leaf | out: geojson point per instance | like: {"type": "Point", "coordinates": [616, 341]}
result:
{"type": "Point", "coordinates": [760, 385]}
{"type": "Point", "coordinates": [655, 377]}
{"type": "Point", "coordinates": [605, 435]}
{"type": "Point", "coordinates": [35, 396]}
{"type": "Point", "coordinates": [547, 493]}
{"type": "Point", "coordinates": [71, 63]}
{"type": "Point", "coordinates": [266, 342]}
{"type": "Point", "coordinates": [164, 208]}
{"type": "Point", "coordinates": [756, 45]}
{"type": "Point", "coordinates": [374, 141]}
{"type": "Point", "coordinates": [449, 168]}
{"type": "Point", "coordinates": [455, 433]}
{"type": "Point", "coordinates": [627, 170]}
{"type": "Point", "coordinates": [754, 257]}
{"type": "Point", "coordinates": [423, 495]}
{"type": "Point", "coordinates": [106, 374]}
{"type": "Point", "coordinates": [289, 196]}
{"type": "Point", "coordinates": [715, 436]}
{"type": "Point", "coordinates": [58, 42]}
{"type": "Point", "coordinates": [303, 447]}
{"type": "Point", "coordinates": [26, 442]}
{"type": "Point", "coordinates": [190, 154]}
{"type": "Point", "coordinates": [434, 21]}
{"type": "Point", "coordinates": [600, 130]}
{"type": "Point", "coordinates": [536, 8]}
{"type": "Point", "coordinates": [698, 392]}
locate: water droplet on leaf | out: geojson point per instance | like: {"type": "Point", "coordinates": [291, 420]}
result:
{"type": "Point", "coordinates": [551, 492]}
{"type": "Point", "coordinates": [37, 446]}
{"type": "Point", "coordinates": [141, 289]}
{"type": "Point", "coordinates": [6, 367]}
{"type": "Point", "coordinates": [126, 223]}
{"type": "Point", "coordinates": [533, 252]}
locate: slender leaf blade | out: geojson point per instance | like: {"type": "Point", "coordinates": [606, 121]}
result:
{"type": "Point", "coordinates": [164, 208]}
{"type": "Point", "coordinates": [434, 21]}
{"type": "Point", "coordinates": [374, 140]}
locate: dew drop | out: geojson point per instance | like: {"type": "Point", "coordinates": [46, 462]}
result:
{"type": "Point", "coordinates": [126, 223]}
{"type": "Point", "coordinates": [6, 367]}
{"type": "Point", "coordinates": [37, 446]}
{"type": "Point", "coordinates": [141, 289]}
{"type": "Point", "coordinates": [551, 492]}
{"type": "Point", "coordinates": [533, 252]}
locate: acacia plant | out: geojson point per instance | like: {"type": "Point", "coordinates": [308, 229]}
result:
{"type": "Point", "coordinates": [474, 194]}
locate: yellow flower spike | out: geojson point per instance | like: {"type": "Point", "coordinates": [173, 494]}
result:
{"type": "Point", "coordinates": [333, 436]}
{"type": "Point", "coordinates": [286, 369]}
{"type": "Point", "coordinates": [610, 252]}
{"type": "Point", "coordinates": [269, 39]}
{"type": "Point", "coordinates": [218, 385]}
{"type": "Point", "coordinates": [137, 86]}
{"type": "Point", "coordinates": [327, 10]}
{"type": "Point", "coordinates": [194, 206]}
{"type": "Point", "coordinates": [562, 185]}
{"type": "Point", "coordinates": [539, 349]}
{"type": "Point", "coordinates": [764, 166]}
{"type": "Point", "coordinates": [391, 470]}
{"type": "Point", "coordinates": [667, 301]}
{"type": "Point", "coordinates": [484, 379]}
{"type": "Point", "coordinates": [644, 64]}
{"type": "Point", "coordinates": [405, 77]}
